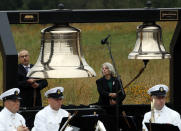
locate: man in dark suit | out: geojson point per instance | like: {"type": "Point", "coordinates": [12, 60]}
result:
{"type": "Point", "coordinates": [30, 88]}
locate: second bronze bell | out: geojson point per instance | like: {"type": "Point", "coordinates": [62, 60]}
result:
{"type": "Point", "coordinates": [149, 44]}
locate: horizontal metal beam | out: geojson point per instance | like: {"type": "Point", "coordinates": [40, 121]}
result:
{"type": "Point", "coordinates": [93, 15]}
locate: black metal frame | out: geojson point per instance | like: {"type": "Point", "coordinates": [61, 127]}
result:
{"type": "Point", "coordinates": [58, 16]}
{"type": "Point", "coordinates": [95, 16]}
{"type": "Point", "coordinates": [9, 53]}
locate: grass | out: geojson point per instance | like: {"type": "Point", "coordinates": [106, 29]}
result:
{"type": "Point", "coordinates": [123, 38]}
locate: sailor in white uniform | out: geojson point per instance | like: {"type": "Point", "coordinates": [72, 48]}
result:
{"type": "Point", "coordinates": [49, 118]}
{"type": "Point", "coordinates": [10, 120]}
{"type": "Point", "coordinates": [162, 114]}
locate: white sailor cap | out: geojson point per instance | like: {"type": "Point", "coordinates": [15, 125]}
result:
{"type": "Point", "coordinates": [56, 93]}
{"type": "Point", "coordinates": [158, 90]}
{"type": "Point", "coordinates": [10, 94]}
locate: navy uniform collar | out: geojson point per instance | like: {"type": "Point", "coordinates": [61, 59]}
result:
{"type": "Point", "coordinates": [8, 112]}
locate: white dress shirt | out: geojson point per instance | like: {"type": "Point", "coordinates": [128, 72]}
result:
{"type": "Point", "coordinates": [165, 115]}
{"type": "Point", "coordinates": [48, 119]}
{"type": "Point", "coordinates": [10, 121]}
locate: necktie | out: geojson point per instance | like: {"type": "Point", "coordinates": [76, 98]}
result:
{"type": "Point", "coordinates": [26, 68]}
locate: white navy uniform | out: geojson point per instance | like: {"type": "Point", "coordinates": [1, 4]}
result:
{"type": "Point", "coordinates": [10, 121]}
{"type": "Point", "coordinates": [165, 115]}
{"type": "Point", "coordinates": [48, 119]}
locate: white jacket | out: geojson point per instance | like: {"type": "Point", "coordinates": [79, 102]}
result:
{"type": "Point", "coordinates": [165, 115]}
{"type": "Point", "coordinates": [48, 119]}
{"type": "Point", "coordinates": [10, 121]}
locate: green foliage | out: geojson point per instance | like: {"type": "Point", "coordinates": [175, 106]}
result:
{"type": "Point", "coordinates": [39, 4]}
{"type": "Point", "coordinates": [11, 4]}
{"type": "Point", "coordinates": [84, 4]}
{"type": "Point", "coordinates": [164, 3]}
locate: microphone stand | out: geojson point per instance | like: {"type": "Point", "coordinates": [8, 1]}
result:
{"type": "Point", "coordinates": [121, 91]}
{"type": "Point", "coordinates": [117, 75]}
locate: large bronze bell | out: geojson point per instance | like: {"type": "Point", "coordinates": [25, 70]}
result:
{"type": "Point", "coordinates": [60, 55]}
{"type": "Point", "coordinates": [149, 43]}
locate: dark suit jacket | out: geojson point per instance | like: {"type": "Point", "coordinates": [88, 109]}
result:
{"type": "Point", "coordinates": [27, 91]}
{"type": "Point", "coordinates": [103, 89]}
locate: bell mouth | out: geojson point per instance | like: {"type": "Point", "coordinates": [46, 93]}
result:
{"type": "Point", "coordinates": [62, 72]}
{"type": "Point", "coordinates": [148, 55]}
